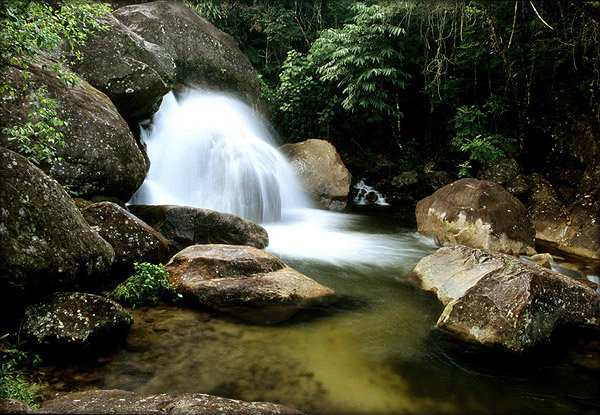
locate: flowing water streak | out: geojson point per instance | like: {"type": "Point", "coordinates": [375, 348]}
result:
{"type": "Point", "coordinates": [211, 151]}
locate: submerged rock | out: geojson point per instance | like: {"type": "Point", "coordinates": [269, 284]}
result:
{"type": "Point", "coordinates": [184, 226]}
{"type": "Point", "coordinates": [101, 156]}
{"type": "Point", "coordinates": [45, 244]}
{"type": "Point", "coordinates": [321, 170]}
{"type": "Point", "coordinates": [123, 402]}
{"type": "Point", "coordinates": [76, 320]}
{"type": "Point", "coordinates": [131, 238]}
{"type": "Point", "coordinates": [244, 281]}
{"type": "Point", "coordinates": [477, 213]}
{"type": "Point", "coordinates": [494, 299]}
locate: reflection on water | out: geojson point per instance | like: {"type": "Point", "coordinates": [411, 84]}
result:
{"type": "Point", "coordinates": [372, 351]}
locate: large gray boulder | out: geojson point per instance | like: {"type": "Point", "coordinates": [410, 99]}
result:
{"type": "Point", "coordinates": [134, 73]}
{"type": "Point", "coordinates": [494, 299]}
{"type": "Point", "coordinates": [321, 171]}
{"type": "Point", "coordinates": [152, 46]}
{"type": "Point", "coordinates": [244, 281]}
{"type": "Point", "coordinates": [101, 156]}
{"type": "Point", "coordinates": [123, 402]}
{"type": "Point", "coordinates": [184, 226]}
{"type": "Point", "coordinates": [75, 320]}
{"type": "Point", "coordinates": [476, 213]}
{"type": "Point", "coordinates": [45, 244]}
{"type": "Point", "coordinates": [132, 239]}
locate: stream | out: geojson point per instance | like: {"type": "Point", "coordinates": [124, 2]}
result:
{"type": "Point", "coordinates": [373, 350]}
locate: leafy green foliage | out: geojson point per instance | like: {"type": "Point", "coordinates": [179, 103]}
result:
{"type": "Point", "coordinates": [149, 283]}
{"type": "Point", "coordinates": [29, 27]}
{"type": "Point", "coordinates": [306, 105]}
{"type": "Point", "coordinates": [364, 59]}
{"type": "Point", "coordinates": [473, 135]}
{"type": "Point", "coordinates": [14, 383]}
{"type": "Point", "coordinates": [206, 8]}
{"type": "Point", "coordinates": [38, 140]}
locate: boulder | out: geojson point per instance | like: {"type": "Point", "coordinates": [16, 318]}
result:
{"type": "Point", "coordinates": [244, 281]}
{"type": "Point", "coordinates": [14, 406]}
{"type": "Point", "coordinates": [502, 171]}
{"type": "Point", "coordinates": [134, 73]}
{"type": "Point", "coordinates": [476, 213]}
{"type": "Point", "coordinates": [152, 46]}
{"type": "Point", "coordinates": [183, 226]}
{"type": "Point", "coordinates": [132, 239]}
{"type": "Point", "coordinates": [101, 156]}
{"type": "Point", "coordinates": [321, 170]}
{"type": "Point", "coordinates": [572, 231]}
{"type": "Point", "coordinates": [493, 299]}
{"type": "Point", "coordinates": [507, 173]}
{"type": "Point", "coordinates": [75, 320]}
{"type": "Point", "coordinates": [123, 402]}
{"type": "Point", "coordinates": [45, 244]}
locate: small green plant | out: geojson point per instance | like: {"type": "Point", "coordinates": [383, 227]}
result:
{"type": "Point", "coordinates": [38, 139]}
{"type": "Point", "coordinates": [14, 383]}
{"type": "Point", "coordinates": [149, 283]}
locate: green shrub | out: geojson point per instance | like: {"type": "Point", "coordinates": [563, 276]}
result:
{"type": "Point", "coordinates": [476, 137]}
{"type": "Point", "coordinates": [14, 383]}
{"type": "Point", "coordinates": [149, 283]}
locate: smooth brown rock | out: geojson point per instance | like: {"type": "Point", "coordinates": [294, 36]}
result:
{"type": "Point", "coordinates": [321, 170]}
{"type": "Point", "coordinates": [476, 213]}
{"type": "Point", "coordinates": [123, 402]}
{"type": "Point", "coordinates": [494, 299]}
{"type": "Point", "coordinates": [244, 281]}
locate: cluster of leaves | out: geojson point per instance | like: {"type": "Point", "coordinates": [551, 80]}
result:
{"type": "Point", "coordinates": [14, 382]}
{"type": "Point", "coordinates": [149, 283]}
{"type": "Point", "coordinates": [473, 136]}
{"type": "Point", "coordinates": [31, 27]}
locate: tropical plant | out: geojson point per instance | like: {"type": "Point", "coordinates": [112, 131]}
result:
{"type": "Point", "coordinates": [475, 137]}
{"type": "Point", "coordinates": [149, 283]}
{"type": "Point", "coordinates": [14, 383]}
{"type": "Point", "coordinates": [29, 27]}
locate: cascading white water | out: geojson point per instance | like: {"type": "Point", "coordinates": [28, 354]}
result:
{"type": "Point", "coordinates": [210, 151]}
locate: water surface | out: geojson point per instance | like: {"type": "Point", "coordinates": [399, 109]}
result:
{"type": "Point", "coordinates": [373, 350]}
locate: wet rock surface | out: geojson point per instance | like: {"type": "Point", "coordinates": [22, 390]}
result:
{"type": "Point", "coordinates": [244, 281]}
{"type": "Point", "coordinates": [494, 299]}
{"type": "Point", "coordinates": [572, 230]}
{"type": "Point", "coordinates": [132, 239]}
{"type": "Point", "coordinates": [321, 170]}
{"type": "Point", "coordinates": [75, 320]}
{"type": "Point", "coordinates": [118, 401]}
{"type": "Point", "coordinates": [45, 244]}
{"type": "Point", "coordinates": [183, 226]}
{"type": "Point", "coordinates": [152, 46]}
{"type": "Point", "coordinates": [476, 213]}
{"type": "Point", "coordinates": [101, 156]}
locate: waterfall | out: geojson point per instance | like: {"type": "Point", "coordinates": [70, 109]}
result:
{"type": "Point", "coordinates": [211, 151]}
